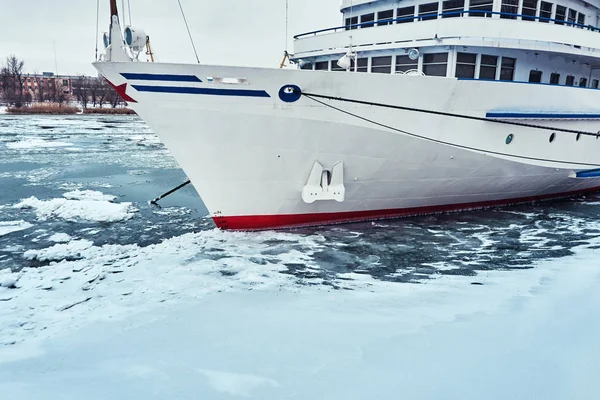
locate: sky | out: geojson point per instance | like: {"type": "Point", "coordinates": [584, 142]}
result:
{"type": "Point", "coordinates": [229, 32]}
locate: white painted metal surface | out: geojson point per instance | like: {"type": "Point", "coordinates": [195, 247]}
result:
{"type": "Point", "coordinates": [252, 156]}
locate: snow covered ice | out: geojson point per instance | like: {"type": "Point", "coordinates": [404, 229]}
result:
{"type": "Point", "coordinates": [103, 296]}
{"type": "Point", "coordinates": [83, 205]}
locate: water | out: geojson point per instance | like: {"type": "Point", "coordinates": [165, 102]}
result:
{"type": "Point", "coordinates": [46, 157]}
{"type": "Point", "coordinates": [94, 276]}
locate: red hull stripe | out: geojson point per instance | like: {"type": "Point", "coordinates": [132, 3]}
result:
{"type": "Point", "coordinates": [258, 222]}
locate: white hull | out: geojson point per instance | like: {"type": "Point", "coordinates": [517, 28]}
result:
{"type": "Point", "coordinates": [249, 157]}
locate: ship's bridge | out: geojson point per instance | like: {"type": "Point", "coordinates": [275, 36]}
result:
{"type": "Point", "coordinates": [526, 36]}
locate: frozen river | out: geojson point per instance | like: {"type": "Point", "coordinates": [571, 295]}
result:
{"type": "Point", "coordinates": [104, 296]}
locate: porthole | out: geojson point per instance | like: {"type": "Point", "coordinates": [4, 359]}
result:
{"type": "Point", "coordinates": [509, 138]}
{"type": "Point", "coordinates": [552, 137]}
{"type": "Point", "coordinates": [578, 137]}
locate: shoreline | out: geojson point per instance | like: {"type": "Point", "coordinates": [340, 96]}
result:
{"type": "Point", "coordinates": [68, 111]}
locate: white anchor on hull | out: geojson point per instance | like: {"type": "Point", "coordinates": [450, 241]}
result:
{"type": "Point", "coordinates": [323, 184]}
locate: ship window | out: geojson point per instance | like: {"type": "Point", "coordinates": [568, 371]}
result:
{"type": "Point", "coordinates": [363, 65]}
{"type": "Point", "coordinates": [435, 64]}
{"type": "Point", "coordinates": [487, 69]}
{"type": "Point", "coordinates": [545, 11]}
{"type": "Point", "coordinates": [428, 11]}
{"type": "Point", "coordinates": [572, 16]}
{"type": "Point", "coordinates": [529, 9]}
{"type": "Point", "coordinates": [535, 76]}
{"type": "Point", "coordinates": [509, 9]}
{"type": "Point", "coordinates": [581, 19]}
{"type": "Point", "coordinates": [351, 21]}
{"type": "Point", "coordinates": [322, 65]}
{"type": "Point", "coordinates": [385, 17]}
{"type": "Point", "coordinates": [583, 82]}
{"type": "Point", "coordinates": [406, 14]}
{"type": "Point", "coordinates": [307, 66]}
{"type": "Point", "coordinates": [404, 63]}
{"type": "Point", "coordinates": [561, 13]}
{"type": "Point", "coordinates": [381, 65]}
{"type": "Point", "coordinates": [554, 78]}
{"type": "Point", "coordinates": [478, 8]}
{"type": "Point", "coordinates": [336, 67]}
{"type": "Point", "coordinates": [367, 20]}
{"type": "Point", "coordinates": [570, 80]}
{"type": "Point", "coordinates": [507, 69]}
{"type": "Point", "coordinates": [594, 83]}
{"type": "Point", "coordinates": [465, 65]}
{"type": "Point", "coordinates": [453, 8]}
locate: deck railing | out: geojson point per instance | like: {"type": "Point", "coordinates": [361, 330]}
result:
{"type": "Point", "coordinates": [430, 16]}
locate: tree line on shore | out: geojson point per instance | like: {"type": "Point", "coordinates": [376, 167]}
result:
{"type": "Point", "coordinates": [19, 90]}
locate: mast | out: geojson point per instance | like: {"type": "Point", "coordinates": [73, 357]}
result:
{"type": "Point", "coordinates": [113, 9]}
{"type": "Point", "coordinates": [115, 50]}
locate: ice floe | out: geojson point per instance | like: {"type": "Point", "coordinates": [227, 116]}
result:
{"type": "Point", "coordinates": [7, 227]}
{"type": "Point", "coordinates": [80, 206]}
{"type": "Point", "coordinates": [59, 238]}
{"type": "Point", "coordinates": [35, 142]}
{"type": "Point", "coordinates": [88, 195]}
{"type": "Point", "coordinates": [63, 251]}
{"type": "Point", "coordinates": [216, 336]}
{"type": "Point", "coordinates": [117, 280]}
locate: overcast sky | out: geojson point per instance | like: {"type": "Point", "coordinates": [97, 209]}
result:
{"type": "Point", "coordinates": [233, 32]}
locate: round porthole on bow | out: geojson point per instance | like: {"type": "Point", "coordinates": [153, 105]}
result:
{"type": "Point", "coordinates": [290, 93]}
{"type": "Point", "coordinates": [552, 137]}
{"type": "Point", "coordinates": [510, 138]}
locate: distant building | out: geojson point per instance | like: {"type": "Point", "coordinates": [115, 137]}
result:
{"type": "Point", "coordinates": [44, 82]}
{"type": "Point", "coordinates": [45, 87]}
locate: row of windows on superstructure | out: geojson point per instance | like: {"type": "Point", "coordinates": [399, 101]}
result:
{"type": "Point", "coordinates": [468, 66]}
{"type": "Point", "coordinates": [536, 76]}
{"type": "Point", "coordinates": [531, 10]}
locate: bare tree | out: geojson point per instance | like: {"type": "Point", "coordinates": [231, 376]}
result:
{"type": "Point", "coordinates": [41, 94]}
{"type": "Point", "coordinates": [56, 91]}
{"type": "Point", "coordinates": [13, 81]}
{"type": "Point", "coordinates": [97, 91]}
{"type": "Point", "coordinates": [81, 90]}
{"type": "Point", "coordinates": [103, 91]}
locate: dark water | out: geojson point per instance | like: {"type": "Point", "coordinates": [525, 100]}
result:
{"type": "Point", "coordinates": [46, 157]}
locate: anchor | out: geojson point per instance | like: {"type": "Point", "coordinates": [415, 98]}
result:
{"type": "Point", "coordinates": [323, 184]}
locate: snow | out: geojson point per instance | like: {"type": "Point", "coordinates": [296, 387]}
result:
{"type": "Point", "coordinates": [88, 195]}
{"type": "Point", "coordinates": [62, 251]}
{"type": "Point", "coordinates": [7, 227]}
{"type": "Point", "coordinates": [211, 315]}
{"type": "Point", "coordinates": [9, 281]}
{"type": "Point", "coordinates": [34, 142]}
{"type": "Point", "coordinates": [80, 206]}
{"type": "Point", "coordinates": [59, 238]}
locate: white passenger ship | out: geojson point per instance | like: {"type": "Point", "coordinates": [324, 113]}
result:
{"type": "Point", "coordinates": [409, 107]}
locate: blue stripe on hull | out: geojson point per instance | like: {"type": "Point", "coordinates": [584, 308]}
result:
{"type": "Point", "coordinates": [592, 173]}
{"type": "Point", "coordinates": [205, 91]}
{"type": "Point", "coordinates": [523, 115]}
{"type": "Point", "coordinates": [161, 77]}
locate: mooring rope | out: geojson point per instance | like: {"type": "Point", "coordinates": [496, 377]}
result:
{"type": "Point", "coordinates": [188, 29]}
{"type": "Point", "coordinates": [315, 98]}
{"type": "Point", "coordinates": [97, 25]}
{"type": "Point", "coordinates": [287, 17]}
{"type": "Point", "coordinates": [129, 10]}
{"type": "Point", "coordinates": [454, 115]}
